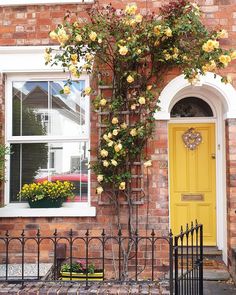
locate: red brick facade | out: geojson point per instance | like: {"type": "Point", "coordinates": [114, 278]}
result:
{"type": "Point", "coordinates": [29, 25]}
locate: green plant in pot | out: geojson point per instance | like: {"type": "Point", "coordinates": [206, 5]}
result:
{"type": "Point", "coordinates": [77, 271]}
{"type": "Point", "coordinates": [47, 194]}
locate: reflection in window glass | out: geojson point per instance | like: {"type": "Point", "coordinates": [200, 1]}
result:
{"type": "Point", "coordinates": [67, 111]}
{"type": "Point", "coordinates": [39, 112]}
{"type": "Point", "coordinates": [30, 100]}
{"type": "Point", "coordinates": [37, 162]}
{"type": "Point", "coordinates": [191, 107]}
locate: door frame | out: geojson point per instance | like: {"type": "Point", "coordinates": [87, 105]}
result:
{"type": "Point", "coordinates": [221, 208]}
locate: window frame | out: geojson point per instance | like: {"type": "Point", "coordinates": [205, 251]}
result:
{"type": "Point", "coordinates": [22, 209]}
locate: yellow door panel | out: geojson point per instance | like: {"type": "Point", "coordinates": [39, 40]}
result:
{"type": "Point", "coordinates": [192, 179]}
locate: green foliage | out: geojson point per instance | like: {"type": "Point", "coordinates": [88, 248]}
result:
{"type": "Point", "coordinates": [78, 267]}
{"type": "Point", "coordinates": [4, 151]}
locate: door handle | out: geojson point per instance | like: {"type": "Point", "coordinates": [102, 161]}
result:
{"type": "Point", "coordinates": [213, 155]}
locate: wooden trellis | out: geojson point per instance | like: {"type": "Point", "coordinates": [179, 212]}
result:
{"type": "Point", "coordinates": [136, 184]}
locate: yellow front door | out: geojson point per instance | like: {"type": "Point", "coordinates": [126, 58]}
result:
{"type": "Point", "coordinates": [192, 177]}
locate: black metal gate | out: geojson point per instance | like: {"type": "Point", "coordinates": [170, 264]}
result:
{"type": "Point", "coordinates": [187, 274]}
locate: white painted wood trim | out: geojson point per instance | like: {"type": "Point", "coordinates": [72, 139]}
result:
{"type": "Point", "coordinates": [210, 83]}
{"type": "Point", "coordinates": [23, 59]}
{"type": "Point", "coordinates": [67, 210]}
{"type": "Point", "coordinates": [42, 2]}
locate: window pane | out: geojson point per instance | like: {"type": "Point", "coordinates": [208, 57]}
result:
{"type": "Point", "coordinates": [191, 107]}
{"type": "Point", "coordinates": [30, 108]}
{"type": "Point", "coordinates": [68, 112]}
{"type": "Point", "coordinates": [26, 162]}
{"type": "Point", "coordinates": [37, 162]}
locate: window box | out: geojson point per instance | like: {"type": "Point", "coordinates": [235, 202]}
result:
{"type": "Point", "coordinates": [98, 275]}
{"type": "Point", "coordinates": [46, 203]}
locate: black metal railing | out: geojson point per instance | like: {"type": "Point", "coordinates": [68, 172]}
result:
{"type": "Point", "coordinates": [23, 257]}
{"type": "Point", "coordinates": [188, 261]}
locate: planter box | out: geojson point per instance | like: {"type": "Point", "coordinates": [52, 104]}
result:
{"type": "Point", "coordinates": [46, 203]}
{"type": "Point", "coordinates": [75, 276]}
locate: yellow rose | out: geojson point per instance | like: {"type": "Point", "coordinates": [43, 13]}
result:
{"type": "Point", "coordinates": [66, 90]}
{"type": "Point", "coordinates": [167, 56]}
{"type": "Point", "coordinates": [78, 38]}
{"type": "Point", "coordinates": [157, 30]}
{"type": "Point", "coordinates": [123, 50]}
{"type": "Point", "coordinates": [88, 57]}
{"type": "Point", "coordinates": [62, 36]}
{"type": "Point", "coordinates": [133, 107]}
{"type": "Point", "coordinates": [225, 59]}
{"type": "Point", "coordinates": [233, 55]}
{"type": "Point", "coordinates": [122, 186]}
{"type": "Point", "coordinates": [109, 135]}
{"type": "Point", "coordinates": [130, 79]}
{"type": "Point", "coordinates": [118, 147]}
{"type": "Point", "coordinates": [114, 120]}
{"type": "Point", "coordinates": [110, 143]}
{"type": "Point", "coordinates": [93, 36]}
{"type": "Point", "coordinates": [103, 102]}
{"type": "Point", "coordinates": [210, 66]}
{"type": "Point", "coordinates": [210, 45]}
{"type": "Point", "coordinates": [105, 137]}
{"type": "Point", "coordinates": [123, 125]}
{"type": "Point", "coordinates": [115, 132]}
{"type": "Point", "coordinates": [133, 132]}
{"type": "Point", "coordinates": [104, 153]}
{"type": "Point", "coordinates": [147, 164]}
{"type": "Point", "coordinates": [99, 40]}
{"type": "Point", "coordinates": [73, 70]}
{"type": "Point", "coordinates": [131, 9]}
{"type": "Point", "coordinates": [149, 87]}
{"type": "Point", "coordinates": [168, 32]}
{"type": "Point", "coordinates": [53, 35]}
{"type": "Point", "coordinates": [47, 56]}
{"type": "Point", "coordinates": [87, 90]}
{"type": "Point", "coordinates": [100, 178]}
{"type": "Point", "coordinates": [74, 57]}
{"type": "Point", "coordinates": [139, 18]}
{"type": "Point", "coordinates": [114, 162]}
{"type": "Point", "coordinates": [142, 100]}
{"type": "Point", "coordinates": [105, 163]}
{"type": "Point", "coordinates": [139, 51]}
{"type": "Point", "coordinates": [99, 190]}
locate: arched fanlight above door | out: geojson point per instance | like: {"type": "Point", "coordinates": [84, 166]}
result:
{"type": "Point", "coordinates": [191, 107]}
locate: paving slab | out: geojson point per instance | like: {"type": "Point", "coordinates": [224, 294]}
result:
{"type": "Point", "coordinates": [219, 288]}
{"type": "Point", "coordinates": [216, 275]}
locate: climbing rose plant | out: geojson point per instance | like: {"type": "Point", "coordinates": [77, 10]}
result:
{"type": "Point", "coordinates": [138, 50]}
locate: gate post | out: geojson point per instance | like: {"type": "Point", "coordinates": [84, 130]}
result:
{"type": "Point", "coordinates": [171, 262]}
{"type": "Point", "coordinates": [201, 262]}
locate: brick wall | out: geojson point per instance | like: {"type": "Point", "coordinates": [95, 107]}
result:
{"type": "Point", "coordinates": [231, 191]}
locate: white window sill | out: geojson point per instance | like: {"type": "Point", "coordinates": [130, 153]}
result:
{"type": "Point", "coordinates": [67, 210]}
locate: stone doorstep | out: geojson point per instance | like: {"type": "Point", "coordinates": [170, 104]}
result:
{"type": "Point", "coordinates": [211, 275]}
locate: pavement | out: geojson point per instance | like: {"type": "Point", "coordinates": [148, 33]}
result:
{"type": "Point", "coordinates": [219, 288]}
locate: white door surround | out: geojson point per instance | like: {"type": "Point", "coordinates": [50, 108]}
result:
{"type": "Point", "coordinates": [222, 100]}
